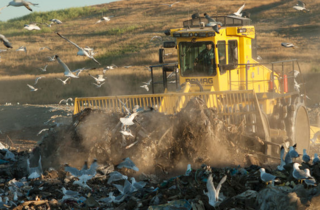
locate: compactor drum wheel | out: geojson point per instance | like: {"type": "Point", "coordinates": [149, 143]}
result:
{"type": "Point", "coordinates": [298, 127]}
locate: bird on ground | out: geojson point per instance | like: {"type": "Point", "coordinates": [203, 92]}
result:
{"type": "Point", "coordinates": [299, 174]}
{"type": "Point", "coordinates": [315, 159]}
{"type": "Point", "coordinates": [78, 173]}
{"type": "Point", "coordinates": [69, 192]}
{"type": "Point", "coordinates": [37, 79]}
{"type": "Point", "coordinates": [22, 49]}
{"type": "Point", "coordinates": [213, 193]}
{"type": "Point", "coordinates": [128, 120]}
{"type": "Point", "coordinates": [145, 87]}
{"type": "Point", "coordinates": [305, 156]}
{"type": "Point", "coordinates": [98, 85]}
{"type": "Point", "coordinates": [53, 58]}
{"type": "Point", "coordinates": [291, 154]}
{"type": "Point", "coordinates": [287, 45]}
{"type": "Point", "coordinates": [81, 51]}
{"type": "Point", "coordinates": [282, 163]}
{"type": "Point", "coordinates": [239, 12]}
{"type": "Point", "coordinates": [64, 82]}
{"type": "Point", "coordinates": [106, 19]}
{"type": "Point", "coordinates": [32, 88]}
{"type": "Point", "coordinates": [128, 163]}
{"type": "Point", "coordinates": [56, 21]}
{"type": "Point", "coordinates": [300, 6]}
{"type": "Point", "coordinates": [34, 172]}
{"type": "Point", "coordinates": [31, 27]}
{"type": "Point", "coordinates": [43, 130]}
{"type": "Point", "coordinates": [83, 181]}
{"type": "Point", "coordinates": [266, 177]}
{"type": "Point", "coordinates": [156, 37]}
{"type": "Point", "coordinates": [5, 41]}
{"type": "Point", "coordinates": [212, 23]}
{"type": "Point", "coordinates": [19, 3]}
{"type": "Point", "coordinates": [98, 79]}
{"type": "Point", "coordinates": [315, 137]}
{"type": "Point", "coordinates": [65, 100]}
{"type": "Point", "coordinates": [3, 50]}
{"type": "Point", "coordinates": [42, 48]}
{"type": "Point", "coordinates": [137, 185]}
{"type": "Point", "coordinates": [116, 176]}
{"type": "Point", "coordinates": [127, 67]}
{"type": "Point", "coordinates": [67, 71]}
{"type": "Point", "coordinates": [170, 5]}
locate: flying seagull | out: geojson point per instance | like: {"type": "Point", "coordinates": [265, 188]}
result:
{"type": "Point", "coordinates": [67, 71]}
{"type": "Point", "coordinates": [64, 82]}
{"type": "Point", "coordinates": [32, 88]}
{"type": "Point", "coordinates": [81, 51]}
{"type": "Point", "coordinates": [36, 171]}
{"type": "Point", "coordinates": [65, 100]}
{"type": "Point", "coordinates": [56, 21]}
{"type": "Point", "coordinates": [212, 23]}
{"type": "Point", "coordinates": [5, 41]}
{"type": "Point", "coordinates": [238, 13]}
{"type": "Point", "coordinates": [98, 85]}
{"type": "Point", "coordinates": [282, 163]}
{"type": "Point", "coordinates": [107, 19]}
{"type": "Point", "coordinates": [145, 87]}
{"type": "Point", "coordinates": [128, 163]}
{"type": "Point", "coordinates": [37, 79]}
{"type": "Point", "coordinates": [22, 48]}
{"type": "Point", "coordinates": [170, 5]}
{"type": "Point", "coordinates": [90, 171]}
{"type": "Point", "coordinates": [19, 3]}
{"type": "Point", "coordinates": [213, 193]}
{"type": "Point", "coordinates": [300, 6]}
{"type": "Point", "coordinates": [42, 48]}
{"type": "Point", "coordinates": [31, 27]}
{"type": "Point", "coordinates": [128, 120]}
{"type": "Point", "coordinates": [53, 58]}
{"type": "Point", "coordinates": [44, 68]}
{"type": "Point", "coordinates": [99, 78]}
{"type": "Point", "coordinates": [287, 45]}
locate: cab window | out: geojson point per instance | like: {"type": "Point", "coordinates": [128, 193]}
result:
{"type": "Point", "coordinates": [233, 52]}
{"type": "Point", "coordinates": [222, 54]}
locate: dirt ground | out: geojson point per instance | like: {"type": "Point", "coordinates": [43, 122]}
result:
{"type": "Point", "coordinates": [20, 124]}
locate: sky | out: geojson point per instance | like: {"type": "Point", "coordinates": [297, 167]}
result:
{"type": "Point", "coordinates": [44, 5]}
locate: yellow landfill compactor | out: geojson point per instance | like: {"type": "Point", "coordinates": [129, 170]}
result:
{"type": "Point", "coordinates": [218, 62]}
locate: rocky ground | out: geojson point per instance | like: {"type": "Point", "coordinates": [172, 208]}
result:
{"type": "Point", "coordinates": [162, 147]}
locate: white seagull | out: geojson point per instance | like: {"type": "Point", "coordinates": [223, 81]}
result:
{"type": "Point", "coordinates": [56, 21]}
{"type": "Point", "coordinates": [67, 71]}
{"type": "Point", "coordinates": [156, 37]}
{"type": "Point", "coordinates": [37, 79]}
{"type": "Point", "coordinates": [170, 5]}
{"type": "Point", "coordinates": [22, 49]}
{"type": "Point", "coordinates": [108, 68]}
{"type": "Point", "coordinates": [31, 27]}
{"type": "Point", "coordinates": [145, 87]}
{"type": "Point", "coordinates": [287, 45]}
{"type": "Point", "coordinates": [64, 82]}
{"type": "Point", "coordinates": [126, 133]}
{"type": "Point", "coordinates": [299, 174]}
{"type": "Point", "coordinates": [42, 48]}
{"type": "Point", "coordinates": [65, 100]}
{"type": "Point", "coordinates": [238, 13]}
{"type": "Point", "coordinates": [5, 41]}
{"type": "Point", "coordinates": [300, 6]}
{"type": "Point", "coordinates": [147, 83]}
{"type": "Point", "coordinates": [99, 78]}
{"type": "Point", "coordinates": [81, 51]}
{"type": "Point", "coordinates": [32, 88]}
{"type": "Point", "coordinates": [266, 177]}
{"type": "Point", "coordinates": [19, 3]}
{"type": "Point", "coordinates": [213, 193]}
{"type": "Point", "coordinates": [107, 19]}
{"type": "Point", "coordinates": [98, 85]}
{"type": "Point", "coordinates": [53, 58]}
{"type": "Point", "coordinates": [128, 120]}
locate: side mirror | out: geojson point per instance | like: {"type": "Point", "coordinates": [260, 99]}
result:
{"type": "Point", "coordinates": [161, 55]}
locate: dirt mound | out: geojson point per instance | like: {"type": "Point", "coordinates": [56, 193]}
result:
{"type": "Point", "coordinates": [161, 142]}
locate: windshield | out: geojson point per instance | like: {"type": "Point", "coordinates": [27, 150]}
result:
{"type": "Point", "coordinates": [197, 59]}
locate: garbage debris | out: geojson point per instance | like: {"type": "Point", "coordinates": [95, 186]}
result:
{"type": "Point", "coordinates": [149, 178]}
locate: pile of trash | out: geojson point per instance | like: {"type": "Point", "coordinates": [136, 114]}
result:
{"type": "Point", "coordinates": [183, 161]}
